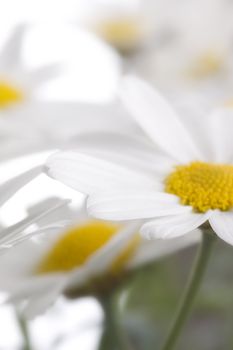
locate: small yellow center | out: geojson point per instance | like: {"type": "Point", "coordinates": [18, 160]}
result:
{"type": "Point", "coordinates": [206, 65]}
{"type": "Point", "coordinates": [228, 103]}
{"type": "Point", "coordinates": [9, 94]}
{"type": "Point", "coordinates": [73, 249]}
{"type": "Point", "coordinates": [124, 33]}
{"type": "Point", "coordinates": [202, 185]}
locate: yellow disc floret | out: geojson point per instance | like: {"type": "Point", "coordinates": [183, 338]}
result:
{"type": "Point", "coordinates": [207, 65]}
{"type": "Point", "coordinates": [202, 185]}
{"type": "Point", "coordinates": [9, 94]}
{"type": "Point", "coordinates": [123, 33]}
{"type": "Point", "coordinates": [228, 103]}
{"type": "Point", "coordinates": [76, 246]}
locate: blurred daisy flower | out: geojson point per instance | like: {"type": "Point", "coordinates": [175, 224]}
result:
{"type": "Point", "coordinates": [131, 27]}
{"type": "Point", "coordinates": [200, 52]}
{"type": "Point", "coordinates": [177, 180]}
{"type": "Point", "coordinates": [125, 31]}
{"type": "Point", "coordinates": [18, 84]}
{"type": "Point", "coordinates": [88, 257]}
{"type": "Point", "coordinates": [118, 23]}
{"type": "Point", "coordinates": [27, 117]}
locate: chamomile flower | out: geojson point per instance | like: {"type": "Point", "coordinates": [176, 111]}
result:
{"type": "Point", "coordinates": [18, 89]}
{"type": "Point", "coordinates": [200, 54]}
{"type": "Point", "coordinates": [133, 28]}
{"type": "Point", "coordinates": [177, 180]}
{"type": "Point", "coordinates": [27, 121]}
{"type": "Point", "coordinates": [18, 83]}
{"type": "Point", "coordinates": [87, 257]}
{"type": "Point", "coordinates": [120, 24]}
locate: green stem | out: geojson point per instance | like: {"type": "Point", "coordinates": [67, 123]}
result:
{"type": "Point", "coordinates": [191, 290]}
{"type": "Point", "coordinates": [24, 331]}
{"type": "Point", "coordinates": [113, 336]}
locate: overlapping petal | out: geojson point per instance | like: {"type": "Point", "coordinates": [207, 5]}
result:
{"type": "Point", "coordinates": [128, 150]}
{"type": "Point", "coordinates": [130, 205]}
{"type": "Point", "coordinates": [174, 226]}
{"type": "Point", "coordinates": [157, 119]}
{"type": "Point", "coordinates": [89, 174]}
{"type": "Point", "coordinates": [222, 224]}
{"type": "Point", "coordinates": [9, 188]}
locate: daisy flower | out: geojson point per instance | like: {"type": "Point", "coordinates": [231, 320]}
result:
{"type": "Point", "coordinates": [87, 257]}
{"type": "Point", "coordinates": [120, 24]}
{"type": "Point", "coordinates": [199, 54]}
{"type": "Point", "coordinates": [132, 27]}
{"type": "Point", "coordinates": [18, 89]}
{"type": "Point", "coordinates": [19, 84]}
{"type": "Point", "coordinates": [178, 179]}
{"type": "Point", "coordinates": [27, 121]}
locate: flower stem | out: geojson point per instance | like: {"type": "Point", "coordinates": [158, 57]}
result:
{"type": "Point", "coordinates": [24, 331]}
{"type": "Point", "coordinates": [191, 290]}
{"type": "Point", "coordinates": [113, 336]}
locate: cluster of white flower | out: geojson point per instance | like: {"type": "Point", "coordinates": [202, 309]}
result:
{"type": "Point", "coordinates": [154, 178]}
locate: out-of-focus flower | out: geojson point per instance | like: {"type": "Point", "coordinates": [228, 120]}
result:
{"type": "Point", "coordinates": [18, 84]}
{"type": "Point", "coordinates": [177, 187]}
{"type": "Point", "coordinates": [175, 46]}
{"type": "Point", "coordinates": [118, 24]}
{"type": "Point", "coordinates": [130, 27]}
{"type": "Point", "coordinates": [199, 56]}
{"type": "Point", "coordinates": [123, 32]}
{"type": "Point", "coordinates": [27, 121]}
{"type": "Point", "coordinates": [89, 257]}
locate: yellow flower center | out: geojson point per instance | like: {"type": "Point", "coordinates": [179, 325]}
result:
{"type": "Point", "coordinates": [78, 244]}
{"type": "Point", "coordinates": [124, 33]}
{"type": "Point", "coordinates": [202, 185]}
{"type": "Point", "coordinates": [206, 65]}
{"type": "Point", "coordinates": [228, 103]}
{"type": "Point", "coordinates": [9, 94]}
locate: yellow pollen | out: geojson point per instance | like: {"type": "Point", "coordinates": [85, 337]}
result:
{"type": "Point", "coordinates": [76, 246]}
{"type": "Point", "coordinates": [202, 185]}
{"type": "Point", "coordinates": [9, 94]}
{"type": "Point", "coordinates": [228, 103]}
{"type": "Point", "coordinates": [124, 33]}
{"type": "Point", "coordinates": [206, 65]}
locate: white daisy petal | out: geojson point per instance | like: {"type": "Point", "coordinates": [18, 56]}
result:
{"type": "Point", "coordinates": [80, 118]}
{"type": "Point", "coordinates": [9, 188]}
{"type": "Point", "coordinates": [173, 226]}
{"type": "Point", "coordinates": [222, 224]}
{"type": "Point", "coordinates": [34, 286]}
{"type": "Point", "coordinates": [43, 74]}
{"type": "Point", "coordinates": [213, 135]}
{"type": "Point", "coordinates": [125, 150]}
{"type": "Point", "coordinates": [158, 119]}
{"type": "Point", "coordinates": [11, 52]}
{"type": "Point", "coordinates": [10, 235]}
{"type": "Point", "coordinates": [150, 251]}
{"type": "Point", "coordinates": [220, 131]}
{"type": "Point", "coordinates": [198, 125]}
{"type": "Point", "coordinates": [129, 205]}
{"type": "Point", "coordinates": [40, 303]}
{"type": "Point", "coordinates": [88, 174]}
